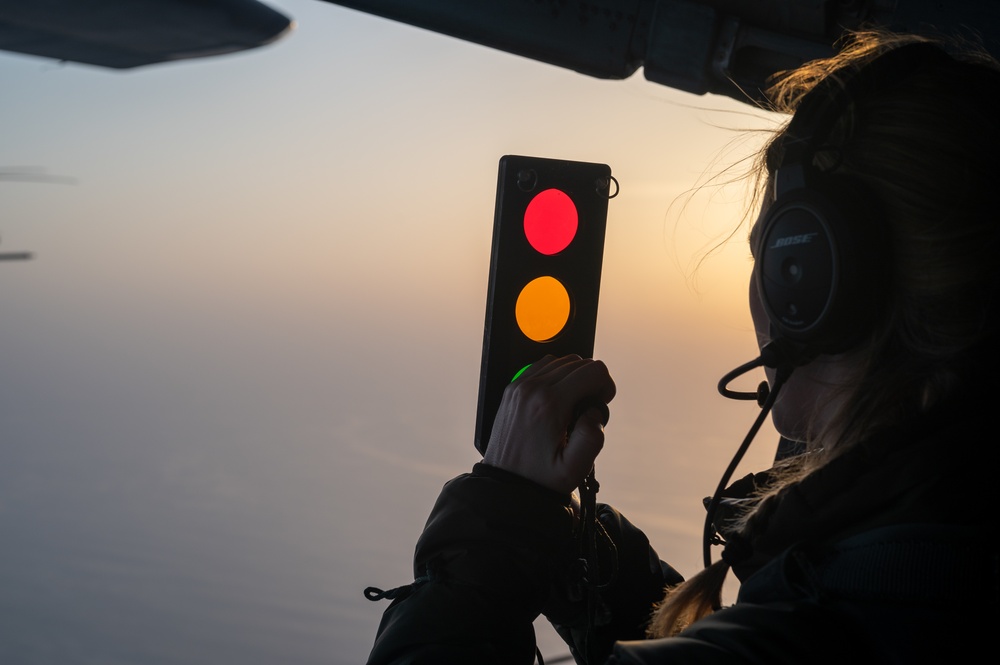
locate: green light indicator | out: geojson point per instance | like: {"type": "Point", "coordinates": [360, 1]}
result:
{"type": "Point", "coordinates": [520, 372]}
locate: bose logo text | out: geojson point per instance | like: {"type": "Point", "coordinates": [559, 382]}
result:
{"type": "Point", "coordinates": [802, 239]}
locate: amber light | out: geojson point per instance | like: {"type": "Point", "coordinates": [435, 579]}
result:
{"type": "Point", "coordinates": [542, 308]}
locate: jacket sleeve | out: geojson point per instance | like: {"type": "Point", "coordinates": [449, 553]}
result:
{"type": "Point", "coordinates": [483, 569]}
{"type": "Point", "coordinates": [498, 550]}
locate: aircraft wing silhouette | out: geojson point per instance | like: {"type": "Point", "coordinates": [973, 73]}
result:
{"type": "Point", "coordinates": [129, 33]}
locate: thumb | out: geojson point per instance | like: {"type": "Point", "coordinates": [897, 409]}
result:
{"type": "Point", "coordinates": [585, 441]}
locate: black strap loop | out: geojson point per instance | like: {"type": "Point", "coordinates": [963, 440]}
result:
{"type": "Point", "coordinates": [375, 594]}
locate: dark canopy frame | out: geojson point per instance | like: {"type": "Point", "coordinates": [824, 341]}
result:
{"type": "Point", "coordinates": [727, 47]}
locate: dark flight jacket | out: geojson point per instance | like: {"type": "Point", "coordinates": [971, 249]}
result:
{"type": "Point", "coordinates": [885, 555]}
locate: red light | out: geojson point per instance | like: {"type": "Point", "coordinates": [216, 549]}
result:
{"type": "Point", "coordinates": [550, 221]}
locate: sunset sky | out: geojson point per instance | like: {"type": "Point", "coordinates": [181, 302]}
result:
{"type": "Point", "coordinates": [263, 292]}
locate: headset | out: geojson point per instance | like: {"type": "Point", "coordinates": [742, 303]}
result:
{"type": "Point", "coordinates": [822, 254]}
{"type": "Point", "coordinates": [822, 258]}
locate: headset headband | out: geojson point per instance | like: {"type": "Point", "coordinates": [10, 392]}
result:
{"type": "Point", "coordinates": [822, 106]}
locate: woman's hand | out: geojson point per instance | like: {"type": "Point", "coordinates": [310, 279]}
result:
{"type": "Point", "coordinates": [550, 424]}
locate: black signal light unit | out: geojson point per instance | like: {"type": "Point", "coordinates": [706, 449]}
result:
{"type": "Point", "coordinates": [545, 270]}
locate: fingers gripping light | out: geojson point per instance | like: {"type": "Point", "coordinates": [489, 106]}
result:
{"type": "Point", "coordinates": [545, 270]}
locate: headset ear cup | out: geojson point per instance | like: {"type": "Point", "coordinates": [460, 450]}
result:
{"type": "Point", "coordinates": [820, 264]}
{"type": "Point", "coordinates": [823, 255]}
